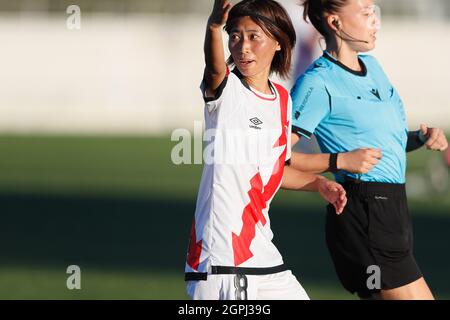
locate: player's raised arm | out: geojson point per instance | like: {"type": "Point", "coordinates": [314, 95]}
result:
{"type": "Point", "coordinates": [215, 68]}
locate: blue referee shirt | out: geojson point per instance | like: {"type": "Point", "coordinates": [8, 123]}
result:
{"type": "Point", "coordinates": [348, 110]}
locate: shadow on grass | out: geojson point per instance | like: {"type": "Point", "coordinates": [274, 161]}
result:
{"type": "Point", "coordinates": [151, 235]}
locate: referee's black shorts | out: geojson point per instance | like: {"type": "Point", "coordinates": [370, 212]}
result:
{"type": "Point", "coordinates": [374, 230]}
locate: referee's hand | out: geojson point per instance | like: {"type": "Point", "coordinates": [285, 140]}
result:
{"type": "Point", "coordinates": [359, 161]}
{"type": "Point", "coordinates": [435, 138]}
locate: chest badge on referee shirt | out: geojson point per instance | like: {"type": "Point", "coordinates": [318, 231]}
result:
{"type": "Point", "coordinates": [376, 93]}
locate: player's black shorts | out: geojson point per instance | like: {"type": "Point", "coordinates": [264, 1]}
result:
{"type": "Point", "coordinates": [374, 230]}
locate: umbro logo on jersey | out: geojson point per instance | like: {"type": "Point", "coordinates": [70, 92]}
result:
{"type": "Point", "coordinates": [376, 93]}
{"type": "Point", "coordinates": [256, 122]}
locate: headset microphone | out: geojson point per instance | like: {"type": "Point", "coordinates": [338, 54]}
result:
{"type": "Point", "coordinates": [350, 38]}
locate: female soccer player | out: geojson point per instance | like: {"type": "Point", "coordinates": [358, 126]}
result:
{"type": "Point", "coordinates": [231, 254]}
{"type": "Point", "coordinates": [357, 116]}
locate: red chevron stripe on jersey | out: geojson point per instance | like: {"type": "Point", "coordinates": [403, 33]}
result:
{"type": "Point", "coordinates": [195, 249]}
{"type": "Point", "coordinates": [251, 216]}
{"type": "Point", "coordinates": [277, 174]}
{"type": "Point", "coordinates": [258, 198]}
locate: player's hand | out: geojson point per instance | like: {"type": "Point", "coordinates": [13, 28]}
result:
{"type": "Point", "coordinates": [333, 193]}
{"type": "Point", "coordinates": [359, 161]}
{"type": "Point", "coordinates": [219, 15]}
{"type": "Point", "coordinates": [436, 139]}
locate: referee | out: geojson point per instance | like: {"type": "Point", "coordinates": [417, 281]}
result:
{"type": "Point", "coordinates": [346, 100]}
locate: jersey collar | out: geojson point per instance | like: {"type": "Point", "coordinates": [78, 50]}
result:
{"type": "Point", "coordinates": [254, 91]}
{"type": "Point", "coordinates": [361, 73]}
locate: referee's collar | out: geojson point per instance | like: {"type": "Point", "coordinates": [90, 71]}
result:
{"type": "Point", "coordinates": [361, 73]}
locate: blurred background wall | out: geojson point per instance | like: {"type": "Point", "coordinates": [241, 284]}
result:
{"type": "Point", "coordinates": [135, 66]}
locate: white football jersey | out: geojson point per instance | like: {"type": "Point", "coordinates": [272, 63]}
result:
{"type": "Point", "coordinates": [247, 142]}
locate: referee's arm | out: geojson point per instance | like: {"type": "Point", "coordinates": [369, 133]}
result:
{"type": "Point", "coordinates": [357, 161]}
{"type": "Point", "coordinates": [433, 138]}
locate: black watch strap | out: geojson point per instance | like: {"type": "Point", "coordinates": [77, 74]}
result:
{"type": "Point", "coordinates": [332, 164]}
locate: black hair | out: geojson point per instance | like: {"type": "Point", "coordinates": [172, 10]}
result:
{"type": "Point", "coordinates": [275, 22]}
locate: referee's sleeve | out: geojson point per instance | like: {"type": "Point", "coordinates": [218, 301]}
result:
{"type": "Point", "coordinates": [311, 104]}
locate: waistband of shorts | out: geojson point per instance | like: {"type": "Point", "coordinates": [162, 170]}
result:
{"type": "Point", "coordinates": [358, 187]}
{"type": "Point", "coordinates": [188, 276]}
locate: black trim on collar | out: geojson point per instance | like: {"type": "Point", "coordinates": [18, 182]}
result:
{"type": "Point", "coordinates": [361, 73]}
{"type": "Point", "coordinates": [241, 77]}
